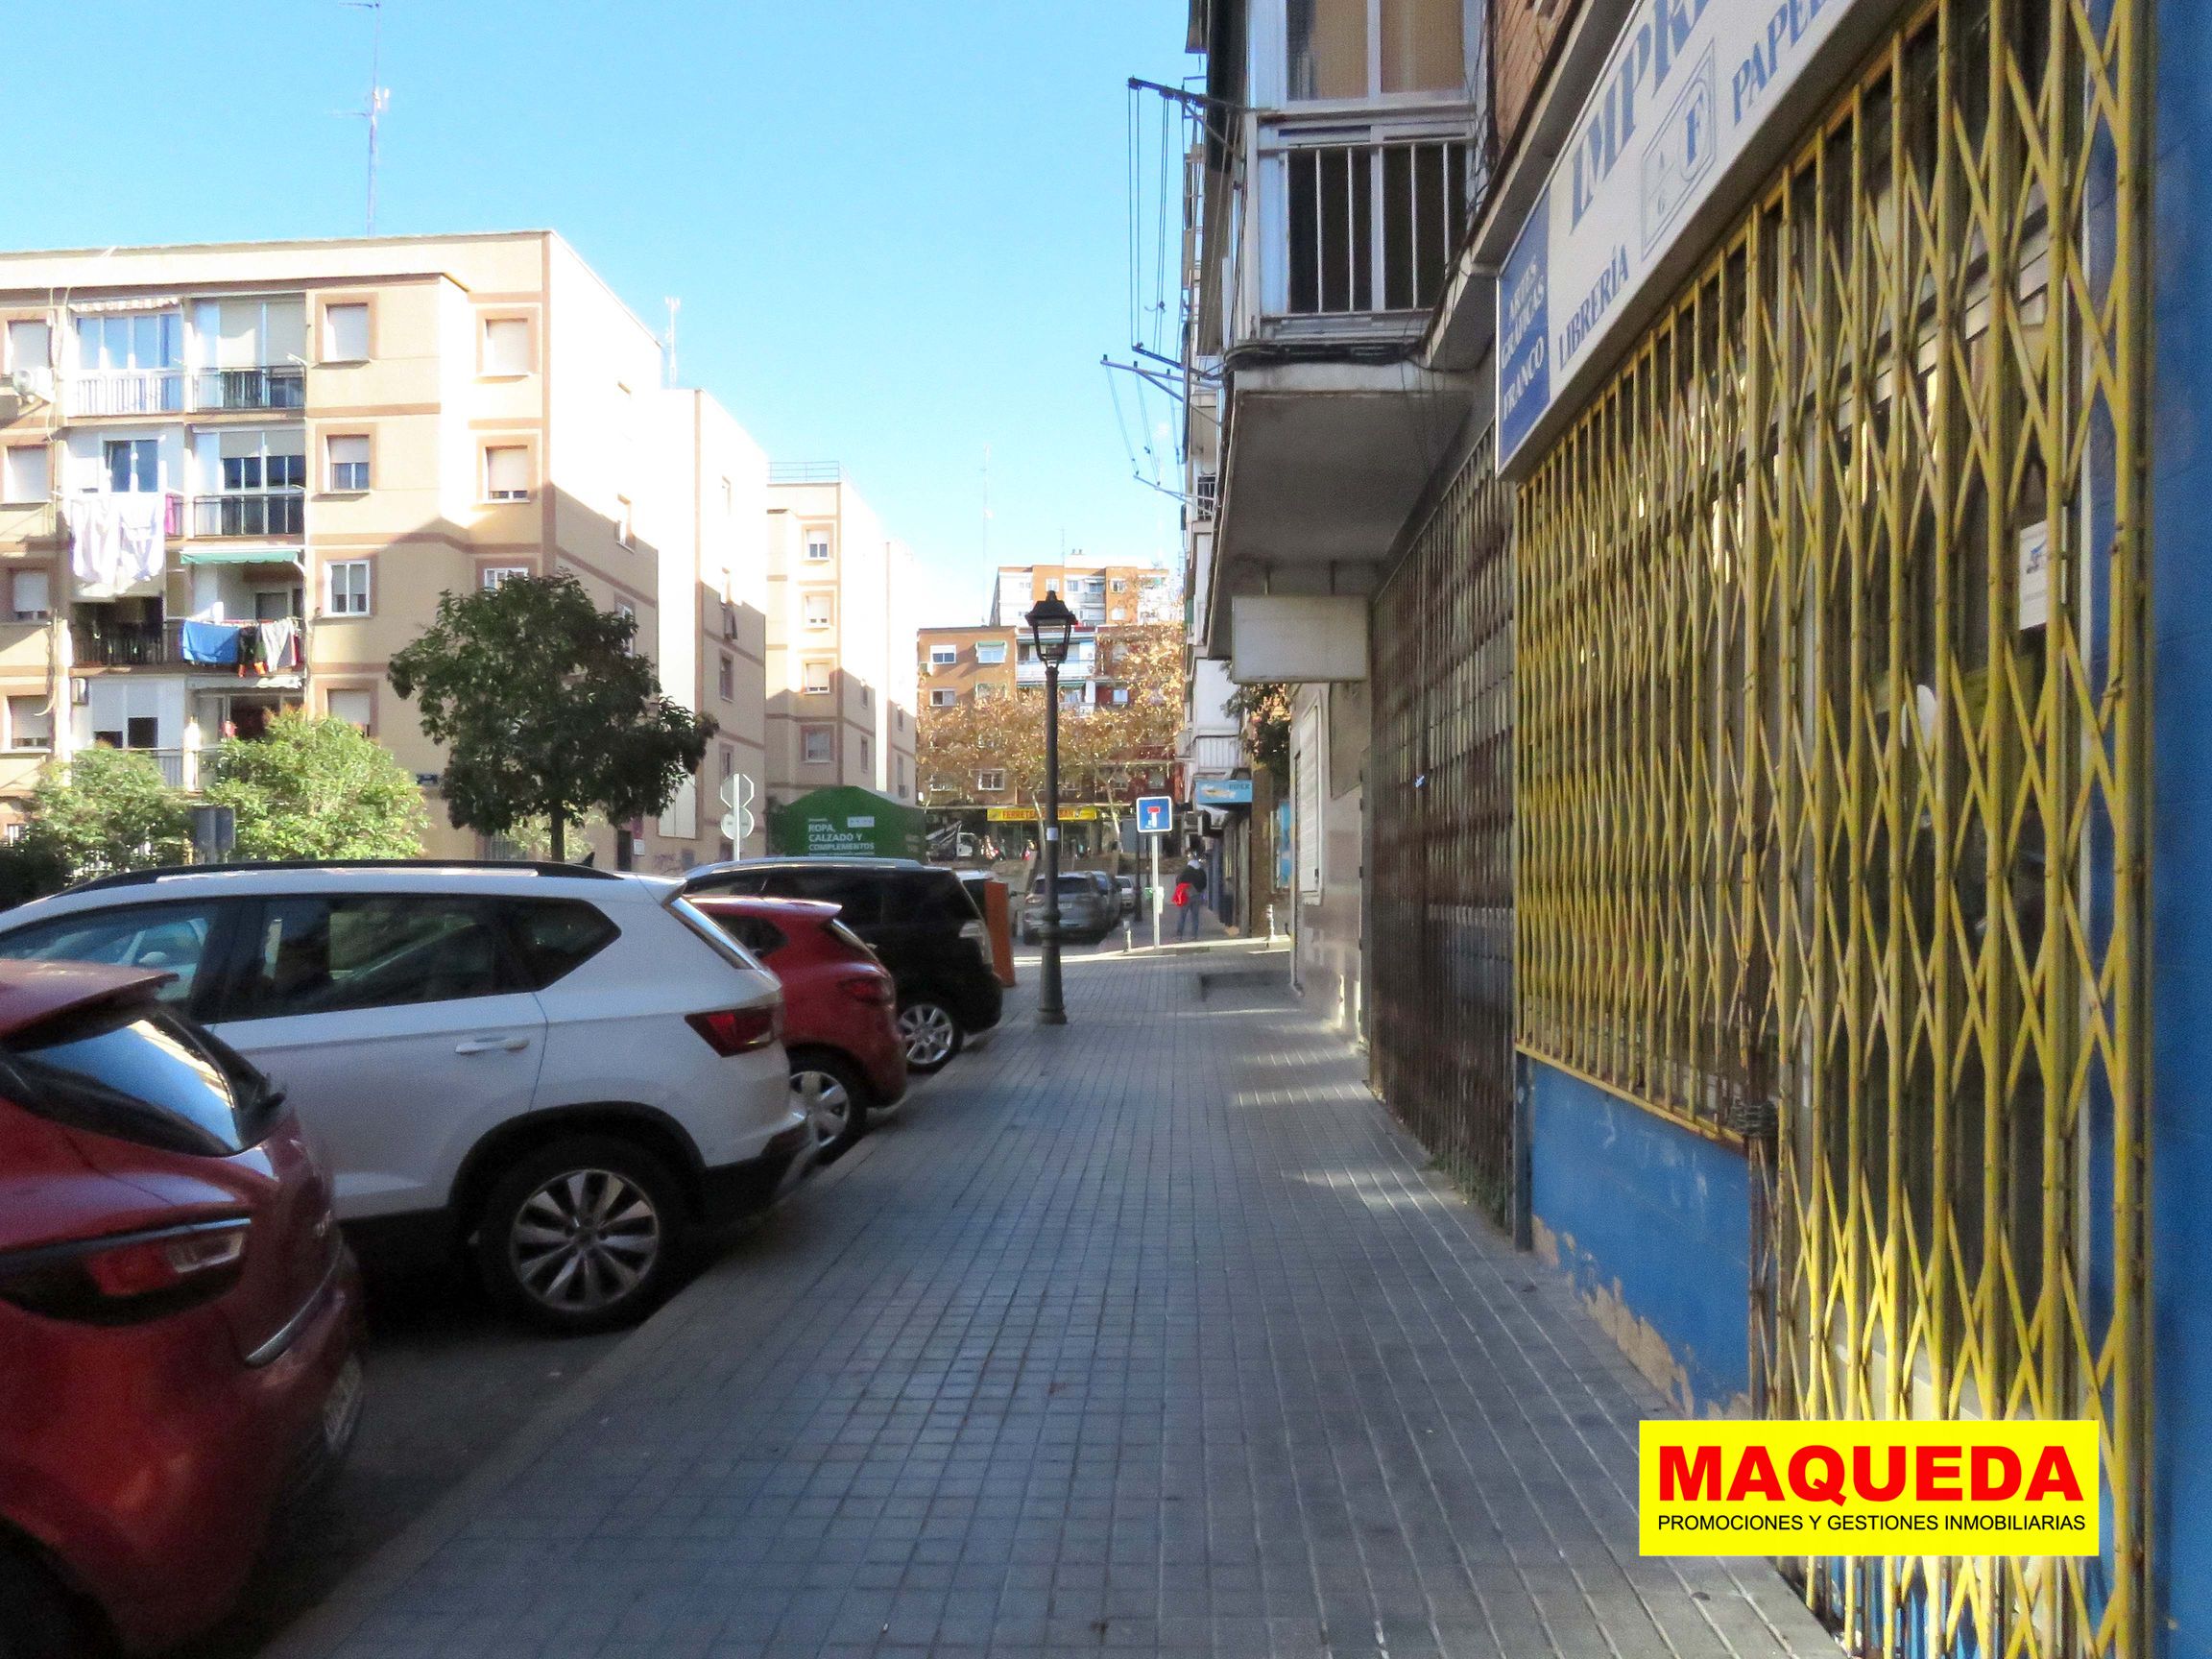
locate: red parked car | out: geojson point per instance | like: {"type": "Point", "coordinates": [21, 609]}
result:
{"type": "Point", "coordinates": [840, 1021]}
{"type": "Point", "coordinates": [179, 1321]}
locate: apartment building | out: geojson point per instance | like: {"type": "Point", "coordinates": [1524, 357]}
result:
{"type": "Point", "coordinates": [841, 681]}
{"type": "Point", "coordinates": [1101, 594]}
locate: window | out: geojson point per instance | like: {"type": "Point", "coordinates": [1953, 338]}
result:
{"type": "Point", "coordinates": [990, 653]}
{"type": "Point", "coordinates": [899, 772]}
{"type": "Point", "coordinates": [762, 937]}
{"type": "Point", "coordinates": [171, 936]}
{"type": "Point", "coordinates": [818, 547]}
{"type": "Point", "coordinates": [138, 344]}
{"type": "Point", "coordinates": [347, 594]}
{"type": "Point", "coordinates": [356, 707]}
{"type": "Point", "coordinates": [1423, 47]}
{"type": "Point", "coordinates": [244, 459]}
{"type": "Point", "coordinates": [818, 674]}
{"type": "Point", "coordinates": [143, 1077]}
{"type": "Point", "coordinates": [1119, 585]}
{"type": "Point", "coordinates": [348, 458]}
{"type": "Point", "coordinates": [346, 333]}
{"type": "Point", "coordinates": [29, 723]}
{"type": "Point", "coordinates": [726, 680]}
{"type": "Point", "coordinates": [29, 347]}
{"type": "Point", "coordinates": [507, 472]}
{"type": "Point", "coordinates": [985, 691]}
{"type": "Point", "coordinates": [142, 731]}
{"type": "Point", "coordinates": [989, 782]}
{"type": "Point", "coordinates": [275, 604]}
{"type": "Point", "coordinates": [625, 521]}
{"type": "Point", "coordinates": [944, 698]}
{"type": "Point", "coordinates": [729, 498]}
{"type": "Point", "coordinates": [1119, 614]}
{"type": "Point", "coordinates": [554, 937]}
{"type": "Point", "coordinates": [30, 597]}
{"type": "Point", "coordinates": [1121, 695]}
{"type": "Point", "coordinates": [134, 465]}
{"type": "Point", "coordinates": [500, 575]}
{"type": "Point", "coordinates": [23, 474]}
{"type": "Point", "coordinates": [370, 951]}
{"type": "Point", "coordinates": [506, 344]}
{"type": "Point", "coordinates": [944, 656]}
{"type": "Point", "coordinates": [814, 745]}
{"type": "Point", "coordinates": [864, 694]}
{"type": "Point", "coordinates": [820, 609]}
{"type": "Point", "coordinates": [865, 761]}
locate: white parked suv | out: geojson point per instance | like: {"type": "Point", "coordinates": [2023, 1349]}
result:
{"type": "Point", "coordinates": [559, 1070]}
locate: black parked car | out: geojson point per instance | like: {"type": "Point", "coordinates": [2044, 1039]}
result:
{"type": "Point", "coordinates": [918, 918]}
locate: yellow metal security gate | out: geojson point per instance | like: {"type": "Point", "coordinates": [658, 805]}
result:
{"type": "Point", "coordinates": [1832, 629]}
{"type": "Point", "coordinates": [1441, 798]}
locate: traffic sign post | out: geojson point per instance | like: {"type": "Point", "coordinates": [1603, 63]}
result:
{"type": "Point", "coordinates": [736, 794]}
{"type": "Point", "coordinates": [1155, 820]}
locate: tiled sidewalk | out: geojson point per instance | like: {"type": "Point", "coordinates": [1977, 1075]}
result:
{"type": "Point", "coordinates": [1150, 1335]}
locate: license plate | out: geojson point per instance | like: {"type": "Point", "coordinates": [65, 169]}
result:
{"type": "Point", "coordinates": [342, 1407]}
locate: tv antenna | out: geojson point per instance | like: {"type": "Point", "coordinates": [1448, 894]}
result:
{"type": "Point", "coordinates": [379, 94]}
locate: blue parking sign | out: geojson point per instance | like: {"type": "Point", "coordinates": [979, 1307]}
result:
{"type": "Point", "coordinates": [1155, 814]}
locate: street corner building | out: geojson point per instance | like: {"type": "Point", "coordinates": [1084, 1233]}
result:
{"type": "Point", "coordinates": [1717, 474]}
{"type": "Point", "coordinates": [235, 480]}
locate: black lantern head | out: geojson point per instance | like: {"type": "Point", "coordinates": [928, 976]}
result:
{"type": "Point", "coordinates": [1051, 624]}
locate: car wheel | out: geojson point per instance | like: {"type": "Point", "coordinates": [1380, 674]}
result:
{"type": "Point", "coordinates": [581, 1235]}
{"type": "Point", "coordinates": [42, 1622]}
{"type": "Point", "coordinates": [1028, 935]}
{"type": "Point", "coordinates": [930, 1033]}
{"type": "Point", "coordinates": [828, 1089]}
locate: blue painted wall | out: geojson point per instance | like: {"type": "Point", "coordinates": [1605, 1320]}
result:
{"type": "Point", "coordinates": [2181, 836]}
{"type": "Point", "coordinates": [1653, 1222]}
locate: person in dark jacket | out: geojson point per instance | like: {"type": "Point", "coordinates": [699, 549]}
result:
{"type": "Point", "coordinates": [1189, 898]}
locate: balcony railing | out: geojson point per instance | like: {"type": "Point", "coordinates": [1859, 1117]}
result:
{"type": "Point", "coordinates": [1370, 227]}
{"type": "Point", "coordinates": [102, 642]}
{"type": "Point", "coordinates": [128, 391]}
{"type": "Point", "coordinates": [278, 388]}
{"type": "Point", "coordinates": [186, 391]}
{"type": "Point", "coordinates": [1033, 673]}
{"type": "Point", "coordinates": [249, 513]}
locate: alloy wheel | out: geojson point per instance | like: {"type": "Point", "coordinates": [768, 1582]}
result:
{"type": "Point", "coordinates": [927, 1030]}
{"type": "Point", "coordinates": [829, 1104]}
{"type": "Point", "coordinates": [584, 1240]}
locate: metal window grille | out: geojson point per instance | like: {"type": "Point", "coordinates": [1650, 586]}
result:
{"type": "Point", "coordinates": [1441, 804]}
{"type": "Point", "coordinates": [1833, 709]}
{"type": "Point", "coordinates": [1373, 227]}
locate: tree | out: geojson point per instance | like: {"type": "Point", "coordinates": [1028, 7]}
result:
{"type": "Point", "coordinates": [317, 789]}
{"type": "Point", "coordinates": [545, 709]}
{"type": "Point", "coordinates": [103, 810]}
{"type": "Point", "coordinates": [1105, 747]}
{"type": "Point", "coordinates": [1264, 709]}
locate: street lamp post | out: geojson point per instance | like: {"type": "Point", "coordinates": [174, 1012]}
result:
{"type": "Point", "coordinates": [1051, 624]}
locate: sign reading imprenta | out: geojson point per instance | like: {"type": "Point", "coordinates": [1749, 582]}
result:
{"type": "Point", "coordinates": [1687, 86]}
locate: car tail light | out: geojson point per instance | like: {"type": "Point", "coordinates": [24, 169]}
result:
{"type": "Point", "coordinates": [870, 988]}
{"type": "Point", "coordinates": [121, 1280]}
{"type": "Point", "coordinates": [974, 930]}
{"type": "Point", "coordinates": [738, 1030]}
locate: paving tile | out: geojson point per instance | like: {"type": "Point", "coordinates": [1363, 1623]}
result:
{"type": "Point", "coordinates": [1150, 1334]}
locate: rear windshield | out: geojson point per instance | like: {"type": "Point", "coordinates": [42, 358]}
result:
{"type": "Point", "coordinates": [1071, 885]}
{"type": "Point", "coordinates": [139, 1074]}
{"type": "Point", "coordinates": [942, 897]}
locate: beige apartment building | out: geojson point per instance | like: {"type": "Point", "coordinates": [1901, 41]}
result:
{"type": "Point", "coordinates": [1101, 594]}
{"type": "Point", "coordinates": [321, 438]}
{"type": "Point", "coordinates": [841, 601]}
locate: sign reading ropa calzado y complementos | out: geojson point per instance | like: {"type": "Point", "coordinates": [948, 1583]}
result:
{"type": "Point", "coordinates": [1851, 1488]}
{"type": "Point", "coordinates": [1687, 87]}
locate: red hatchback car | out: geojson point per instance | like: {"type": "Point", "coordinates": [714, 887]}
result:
{"type": "Point", "coordinates": [179, 1321]}
{"type": "Point", "coordinates": [840, 1021]}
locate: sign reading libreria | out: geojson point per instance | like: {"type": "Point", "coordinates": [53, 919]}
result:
{"type": "Point", "coordinates": [1686, 88]}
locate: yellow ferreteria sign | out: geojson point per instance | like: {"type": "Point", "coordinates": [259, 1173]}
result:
{"type": "Point", "coordinates": [1849, 1488]}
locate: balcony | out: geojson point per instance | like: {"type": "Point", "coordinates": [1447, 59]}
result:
{"type": "Point", "coordinates": [186, 391]}
{"type": "Point", "coordinates": [104, 642]}
{"type": "Point", "coordinates": [1071, 673]}
{"type": "Point", "coordinates": [249, 513]}
{"type": "Point", "coordinates": [128, 391]}
{"type": "Point", "coordinates": [214, 390]}
{"type": "Point", "coordinates": [172, 511]}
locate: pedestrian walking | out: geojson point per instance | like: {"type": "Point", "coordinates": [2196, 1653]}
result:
{"type": "Point", "coordinates": [1189, 897]}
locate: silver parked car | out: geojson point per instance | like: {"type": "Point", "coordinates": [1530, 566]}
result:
{"type": "Point", "coordinates": [1089, 908]}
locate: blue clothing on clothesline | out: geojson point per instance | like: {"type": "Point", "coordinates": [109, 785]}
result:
{"type": "Point", "coordinates": [210, 643]}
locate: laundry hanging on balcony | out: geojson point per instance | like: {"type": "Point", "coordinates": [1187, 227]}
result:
{"type": "Point", "coordinates": [116, 539]}
{"type": "Point", "coordinates": [279, 643]}
{"type": "Point", "coordinates": [210, 643]}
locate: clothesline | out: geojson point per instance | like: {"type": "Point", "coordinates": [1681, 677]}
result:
{"type": "Point", "coordinates": [255, 647]}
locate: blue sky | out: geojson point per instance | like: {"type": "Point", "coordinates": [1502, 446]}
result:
{"type": "Point", "coordinates": [897, 227]}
